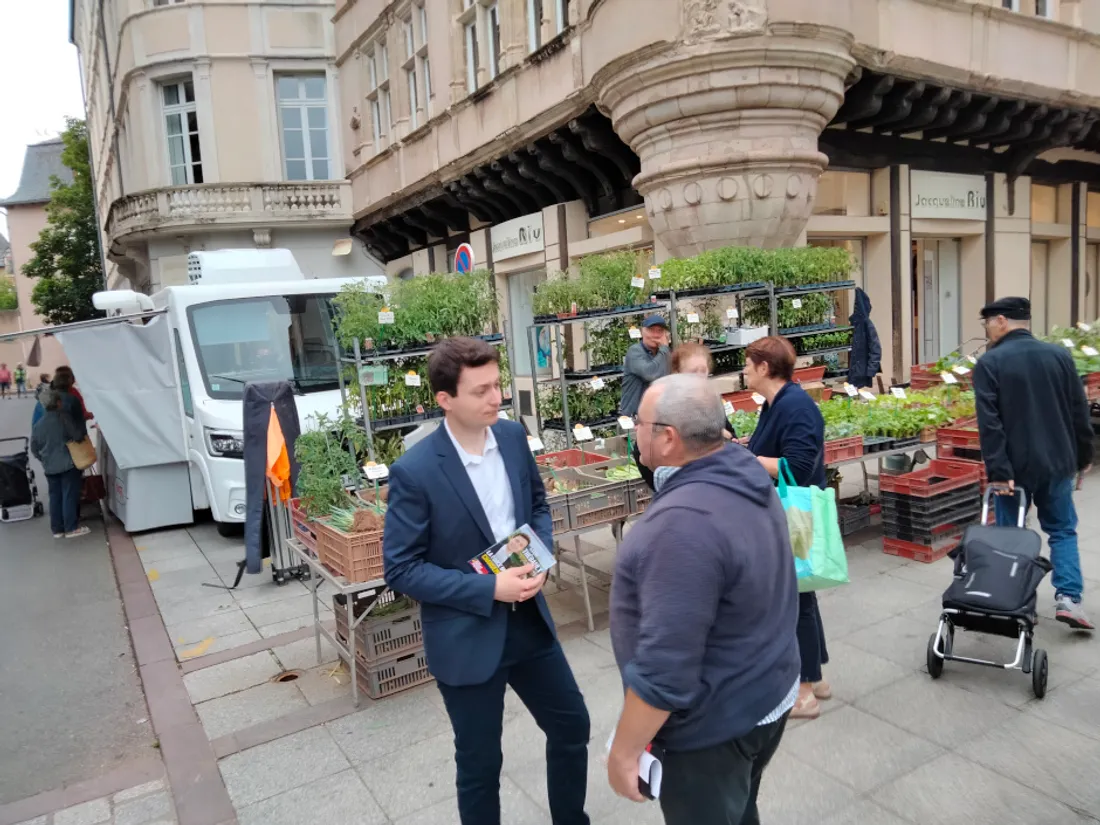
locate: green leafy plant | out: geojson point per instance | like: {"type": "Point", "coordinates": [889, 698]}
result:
{"type": "Point", "coordinates": [326, 464]}
{"type": "Point", "coordinates": [9, 298]}
{"type": "Point", "coordinates": [815, 308]}
{"type": "Point", "coordinates": [744, 422]}
{"type": "Point", "coordinates": [608, 342]}
{"type": "Point", "coordinates": [602, 282]}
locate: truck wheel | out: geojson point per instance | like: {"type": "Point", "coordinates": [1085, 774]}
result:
{"type": "Point", "coordinates": [230, 529]}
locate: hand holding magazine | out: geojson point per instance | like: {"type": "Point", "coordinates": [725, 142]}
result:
{"type": "Point", "coordinates": [523, 547]}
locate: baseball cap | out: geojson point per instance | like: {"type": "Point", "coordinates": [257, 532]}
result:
{"type": "Point", "coordinates": [1014, 309]}
{"type": "Point", "coordinates": [655, 321]}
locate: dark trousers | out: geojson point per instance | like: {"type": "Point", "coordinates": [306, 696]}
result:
{"type": "Point", "coordinates": [535, 666]}
{"type": "Point", "coordinates": [719, 785]}
{"type": "Point", "coordinates": [65, 500]}
{"type": "Point", "coordinates": [811, 638]}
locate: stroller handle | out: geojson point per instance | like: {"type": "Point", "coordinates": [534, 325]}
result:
{"type": "Point", "coordinates": [26, 441]}
{"type": "Point", "coordinates": [988, 497]}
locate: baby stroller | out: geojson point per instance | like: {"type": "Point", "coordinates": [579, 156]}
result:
{"type": "Point", "coordinates": [997, 574]}
{"type": "Point", "coordinates": [18, 493]}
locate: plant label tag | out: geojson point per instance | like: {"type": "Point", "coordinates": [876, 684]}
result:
{"type": "Point", "coordinates": [1068, 344]}
{"type": "Point", "coordinates": [626, 422]}
{"type": "Point", "coordinates": [852, 391]}
{"type": "Point", "coordinates": [1081, 325]}
{"type": "Point", "coordinates": [420, 409]}
{"type": "Point", "coordinates": [385, 317]}
{"type": "Point", "coordinates": [693, 317]}
{"type": "Point", "coordinates": [503, 415]}
{"type": "Point", "coordinates": [376, 472]}
{"type": "Point", "coordinates": [412, 379]}
{"type": "Point", "coordinates": [867, 394]}
{"type": "Point", "coordinates": [534, 443]}
{"type": "Point", "coordinates": [373, 375]}
{"type": "Point", "coordinates": [635, 333]}
{"type": "Point", "coordinates": [899, 392]}
{"type": "Point", "coordinates": [638, 282]}
{"type": "Point", "coordinates": [582, 433]}
{"type": "Point", "coordinates": [959, 369]}
{"type": "Point", "coordinates": [948, 378]}
{"type": "Point", "coordinates": [728, 407]}
{"type": "Point", "coordinates": [1090, 351]}
{"type": "Point", "coordinates": [731, 313]}
{"type": "Point", "coordinates": [797, 303]}
{"type": "Point", "coordinates": [655, 273]}
{"type": "Point", "coordinates": [758, 399]}
{"type": "Point", "coordinates": [368, 343]}
{"type": "Point", "coordinates": [972, 359]}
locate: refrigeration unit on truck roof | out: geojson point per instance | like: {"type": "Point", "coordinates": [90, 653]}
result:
{"type": "Point", "coordinates": [238, 266]}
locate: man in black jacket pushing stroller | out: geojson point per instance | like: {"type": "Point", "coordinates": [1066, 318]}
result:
{"type": "Point", "coordinates": [1033, 420]}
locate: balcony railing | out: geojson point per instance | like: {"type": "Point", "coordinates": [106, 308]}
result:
{"type": "Point", "coordinates": [236, 204]}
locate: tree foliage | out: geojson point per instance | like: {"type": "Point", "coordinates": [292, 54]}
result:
{"type": "Point", "coordinates": [9, 299]}
{"type": "Point", "coordinates": [66, 262]}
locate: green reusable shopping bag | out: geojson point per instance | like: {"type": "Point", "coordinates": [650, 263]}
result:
{"type": "Point", "coordinates": [819, 558]}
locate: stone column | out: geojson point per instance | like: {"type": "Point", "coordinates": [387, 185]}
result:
{"type": "Point", "coordinates": [726, 121]}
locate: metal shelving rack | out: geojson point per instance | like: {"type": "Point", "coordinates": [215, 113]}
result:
{"type": "Point", "coordinates": [563, 380]}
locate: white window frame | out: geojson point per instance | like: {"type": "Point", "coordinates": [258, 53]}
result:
{"type": "Point", "coordinates": [535, 11]}
{"type": "Point", "coordinates": [303, 105]}
{"type": "Point", "coordinates": [378, 94]}
{"type": "Point", "coordinates": [562, 17]}
{"type": "Point", "coordinates": [493, 41]}
{"type": "Point", "coordinates": [182, 109]}
{"type": "Point", "coordinates": [1050, 10]}
{"type": "Point", "coordinates": [417, 67]}
{"type": "Point", "coordinates": [480, 38]}
{"type": "Point", "coordinates": [1014, 5]}
{"type": "Point", "coordinates": [162, 3]}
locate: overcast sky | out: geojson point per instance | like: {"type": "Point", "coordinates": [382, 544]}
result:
{"type": "Point", "coordinates": [39, 81]}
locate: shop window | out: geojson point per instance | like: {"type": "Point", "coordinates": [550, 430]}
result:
{"type": "Point", "coordinates": [843, 193]}
{"type": "Point", "coordinates": [1044, 204]}
{"type": "Point", "coordinates": [617, 222]}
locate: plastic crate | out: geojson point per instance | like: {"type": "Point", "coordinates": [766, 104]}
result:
{"type": "Point", "coordinates": [604, 503]}
{"type": "Point", "coordinates": [968, 463]}
{"type": "Point", "coordinates": [924, 553]}
{"type": "Point", "coordinates": [640, 494]}
{"type": "Point", "coordinates": [741, 400]}
{"type": "Point", "coordinates": [394, 675]}
{"type": "Point", "coordinates": [876, 444]}
{"type": "Point", "coordinates": [899, 504]}
{"type": "Point", "coordinates": [924, 529]}
{"type": "Point", "coordinates": [302, 526]}
{"type": "Point", "coordinates": [559, 501]}
{"type": "Point", "coordinates": [382, 637]}
{"type": "Point", "coordinates": [960, 454]}
{"type": "Point", "coordinates": [842, 449]}
{"type": "Point", "coordinates": [853, 518]}
{"type": "Point", "coordinates": [936, 478]}
{"type": "Point", "coordinates": [355, 556]}
{"type": "Point", "coordinates": [570, 458]}
{"type": "Point", "coordinates": [955, 438]}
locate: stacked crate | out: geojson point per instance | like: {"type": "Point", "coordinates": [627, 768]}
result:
{"type": "Point", "coordinates": [389, 649]}
{"type": "Point", "coordinates": [924, 513]}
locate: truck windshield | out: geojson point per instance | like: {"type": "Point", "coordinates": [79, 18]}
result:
{"type": "Point", "coordinates": [268, 338]}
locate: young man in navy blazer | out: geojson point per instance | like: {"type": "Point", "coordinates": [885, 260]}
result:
{"type": "Point", "coordinates": [463, 488]}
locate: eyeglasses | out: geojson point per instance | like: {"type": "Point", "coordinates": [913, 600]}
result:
{"type": "Point", "coordinates": [639, 423]}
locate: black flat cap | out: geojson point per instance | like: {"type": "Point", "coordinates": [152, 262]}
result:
{"type": "Point", "coordinates": [1014, 309]}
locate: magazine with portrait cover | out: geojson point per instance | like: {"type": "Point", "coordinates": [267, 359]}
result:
{"type": "Point", "coordinates": [520, 548]}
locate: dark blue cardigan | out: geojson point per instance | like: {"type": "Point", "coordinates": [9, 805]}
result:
{"type": "Point", "coordinates": [791, 427]}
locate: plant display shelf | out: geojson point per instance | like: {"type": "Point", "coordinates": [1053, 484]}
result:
{"type": "Point", "coordinates": [388, 354]}
{"type": "Point", "coordinates": [738, 291]}
{"type": "Point", "coordinates": [583, 317]}
{"type": "Point", "coordinates": [807, 289]}
{"type": "Point", "coordinates": [760, 287]}
{"type": "Point", "coordinates": [815, 329]}
{"type": "Point", "coordinates": [341, 586]}
{"type": "Point", "coordinates": [817, 353]}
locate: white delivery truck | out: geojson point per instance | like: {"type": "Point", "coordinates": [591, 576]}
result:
{"type": "Point", "coordinates": [164, 376]}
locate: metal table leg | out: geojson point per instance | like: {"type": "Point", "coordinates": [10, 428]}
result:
{"type": "Point", "coordinates": [314, 585]}
{"type": "Point", "coordinates": [584, 583]}
{"type": "Point", "coordinates": [352, 633]}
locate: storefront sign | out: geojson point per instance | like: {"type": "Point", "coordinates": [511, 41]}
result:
{"type": "Point", "coordinates": [942, 195]}
{"type": "Point", "coordinates": [521, 236]}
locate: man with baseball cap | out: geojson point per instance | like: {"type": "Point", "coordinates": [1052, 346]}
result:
{"type": "Point", "coordinates": [644, 363]}
{"type": "Point", "coordinates": [1033, 420]}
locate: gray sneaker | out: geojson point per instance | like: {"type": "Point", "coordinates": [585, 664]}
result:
{"type": "Point", "coordinates": [1069, 612]}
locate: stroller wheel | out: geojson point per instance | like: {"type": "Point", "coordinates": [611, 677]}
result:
{"type": "Point", "coordinates": [1039, 673]}
{"type": "Point", "coordinates": [934, 662]}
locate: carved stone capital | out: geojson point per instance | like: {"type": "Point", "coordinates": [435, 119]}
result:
{"type": "Point", "coordinates": [726, 124]}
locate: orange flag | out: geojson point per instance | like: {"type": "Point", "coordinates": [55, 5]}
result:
{"type": "Point", "coordinates": [278, 461]}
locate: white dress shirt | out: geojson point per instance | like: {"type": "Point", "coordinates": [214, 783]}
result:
{"type": "Point", "coordinates": [490, 480]}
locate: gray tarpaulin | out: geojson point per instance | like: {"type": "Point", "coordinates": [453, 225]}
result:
{"type": "Point", "coordinates": [258, 400]}
{"type": "Point", "coordinates": [126, 375]}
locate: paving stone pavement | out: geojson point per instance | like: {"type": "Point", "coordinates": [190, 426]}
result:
{"type": "Point", "coordinates": [892, 748]}
{"type": "Point", "coordinates": [147, 804]}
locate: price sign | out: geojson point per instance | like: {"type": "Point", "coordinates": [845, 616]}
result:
{"type": "Point", "coordinates": [758, 399]}
{"type": "Point", "coordinates": [412, 379]}
{"type": "Point", "coordinates": [959, 369]}
{"type": "Point", "coordinates": [728, 406]}
{"type": "Point", "coordinates": [948, 378]}
{"type": "Point", "coordinates": [1081, 325]}
{"type": "Point", "coordinates": [797, 303]}
{"type": "Point", "coordinates": [731, 313]}
{"type": "Point", "coordinates": [852, 391]}
{"type": "Point", "coordinates": [385, 316]}
{"type": "Point", "coordinates": [582, 433]}
{"type": "Point", "coordinates": [503, 414]}
{"type": "Point", "coordinates": [867, 394]}
{"type": "Point", "coordinates": [534, 444]}
{"type": "Point", "coordinates": [626, 422]}
{"type": "Point", "coordinates": [655, 273]}
{"type": "Point", "coordinates": [899, 392]}
{"type": "Point", "coordinates": [634, 333]}
{"type": "Point", "coordinates": [693, 317]}
{"type": "Point", "coordinates": [376, 472]}
{"type": "Point", "coordinates": [374, 375]}
{"type": "Point", "coordinates": [597, 383]}
{"type": "Point", "coordinates": [637, 282]}
{"type": "Point", "coordinates": [1090, 351]}
{"type": "Point", "coordinates": [1068, 344]}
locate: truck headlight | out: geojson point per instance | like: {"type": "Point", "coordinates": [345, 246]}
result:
{"type": "Point", "coordinates": [225, 443]}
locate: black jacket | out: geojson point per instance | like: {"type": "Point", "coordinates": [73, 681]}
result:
{"type": "Point", "coordinates": [865, 360]}
{"type": "Point", "coordinates": [1033, 418]}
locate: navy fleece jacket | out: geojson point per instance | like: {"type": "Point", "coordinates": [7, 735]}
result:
{"type": "Point", "coordinates": [791, 427]}
{"type": "Point", "coordinates": [705, 602]}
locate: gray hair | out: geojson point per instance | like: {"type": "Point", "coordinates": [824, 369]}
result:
{"type": "Point", "coordinates": [49, 399]}
{"type": "Point", "coordinates": [689, 404]}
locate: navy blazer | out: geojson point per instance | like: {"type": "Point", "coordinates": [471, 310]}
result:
{"type": "Point", "coordinates": [434, 525]}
